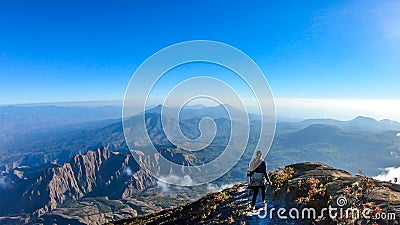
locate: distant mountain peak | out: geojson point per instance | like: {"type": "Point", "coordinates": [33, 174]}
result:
{"type": "Point", "coordinates": [389, 122]}
{"type": "Point", "coordinates": [364, 118]}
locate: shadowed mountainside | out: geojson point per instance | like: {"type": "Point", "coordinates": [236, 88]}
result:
{"type": "Point", "coordinates": [329, 141]}
{"type": "Point", "coordinates": [230, 206]}
{"type": "Point", "coordinates": [98, 177]}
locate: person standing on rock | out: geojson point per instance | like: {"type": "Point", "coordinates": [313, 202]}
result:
{"type": "Point", "coordinates": [258, 178]}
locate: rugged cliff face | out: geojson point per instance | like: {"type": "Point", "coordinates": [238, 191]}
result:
{"type": "Point", "coordinates": [112, 174]}
{"type": "Point", "coordinates": [293, 188]}
{"type": "Point", "coordinates": [103, 174]}
{"type": "Point", "coordinates": [93, 188]}
{"type": "Point", "coordinates": [103, 186]}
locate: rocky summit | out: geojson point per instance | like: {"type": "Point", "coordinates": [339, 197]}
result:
{"type": "Point", "coordinates": [299, 187]}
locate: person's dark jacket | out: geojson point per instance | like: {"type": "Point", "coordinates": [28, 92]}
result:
{"type": "Point", "coordinates": [262, 168]}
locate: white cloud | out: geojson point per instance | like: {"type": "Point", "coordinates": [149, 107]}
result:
{"type": "Point", "coordinates": [389, 173]}
{"type": "Point", "coordinates": [164, 182]}
{"type": "Point", "coordinates": [398, 135]}
{"type": "Point", "coordinates": [127, 171]}
{"type": "Point", "coordinates": [217, 188]}
{"type": "Point", "coordinates": [164, 187]}
{"type": "Point", "coordinates": [4, 183]}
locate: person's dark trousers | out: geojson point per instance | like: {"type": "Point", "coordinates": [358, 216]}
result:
{"type": "Point", "coordinates": [255, 193]}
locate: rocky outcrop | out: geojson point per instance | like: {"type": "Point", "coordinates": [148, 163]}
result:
{"type": "Point", "coordinates": [88, 211]}
{"type": "Point", "coordinates": [101, 182]}
{"type": "Point", "coordinates": [230, 206]}
{"type": "Point", "coordinates": [96, 173]}
{"type": "Point", "coordinates": [354, 190]}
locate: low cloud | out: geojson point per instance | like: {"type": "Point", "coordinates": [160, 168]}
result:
{"type": "Point", "coordinates": [127, 171]}
{"type": "Point", "coordinates": [218, 188]}
{"type": "Point", "coordinates": [4, 183]}
{"type": "Point", "coordinates": [389, 173]}
{"type": "Point", "coordinates": [164, 183]}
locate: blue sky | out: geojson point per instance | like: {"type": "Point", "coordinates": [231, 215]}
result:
{"type": "Point", "coordinates": [52, 51]}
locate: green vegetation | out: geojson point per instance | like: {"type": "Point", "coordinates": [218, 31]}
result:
{"type": "Point", "coordinates": [103, 204]}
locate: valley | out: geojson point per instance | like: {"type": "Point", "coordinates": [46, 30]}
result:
{"type": "Point", "coordinates": [63, 173]}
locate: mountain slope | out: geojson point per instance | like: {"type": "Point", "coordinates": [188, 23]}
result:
{"type": "Point", "coordinates": [101, 179]}
{"type": "Point", "coordinates": [100, 171]}
{"type": "Point", "coordinates": [230, 206]}
{"type": "Point", "coordinates": [360, 124]}
{"type": "Point", "coordinates": [21, 120]}
{"type": "Point", "coordinates": [338, 147]}
{"type": "Point", "coordinates": [60, 146]}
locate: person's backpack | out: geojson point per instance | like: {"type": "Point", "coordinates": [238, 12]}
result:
{"type": "Point", "coordinates": [257, 180]}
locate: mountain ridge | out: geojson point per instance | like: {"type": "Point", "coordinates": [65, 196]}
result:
{"type": "Point", "coordinates": [230, 206]}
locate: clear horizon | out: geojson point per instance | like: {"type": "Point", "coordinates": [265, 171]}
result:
{"type": "Point", "coordinates": [289, 109]}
